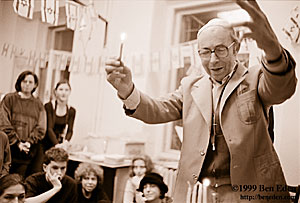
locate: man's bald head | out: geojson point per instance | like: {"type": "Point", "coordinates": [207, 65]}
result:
{"type": "Point", "coordinates": [218, 22]}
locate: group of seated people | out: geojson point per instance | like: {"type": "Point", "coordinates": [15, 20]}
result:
{"type": "Point", "coordinates": [33, 159]}
{"type": "Point", "coordinates": [53, 185]}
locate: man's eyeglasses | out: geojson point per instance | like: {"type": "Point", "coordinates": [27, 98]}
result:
{"type": "Point", "coordinates": [220, 51]}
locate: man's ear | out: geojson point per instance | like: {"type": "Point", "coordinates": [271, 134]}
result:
{"type": "Point", "coordinates": [45, 167]}
{"type": "Point", "coordinates": [236, 48]}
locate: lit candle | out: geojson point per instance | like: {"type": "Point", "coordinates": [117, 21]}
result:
{"type": "Point", "coordinates": [206, 183]}
{"type": "Point", "coordinates": [194, 194]}
{"type": "Point", "coordinates": [214, 197]}
{"type": "Point", "coordinates": [123, 37]}
{"type": "Point", "coordinates": [199, 193]}
{"type": "Point", "coordinates": [188, 194]}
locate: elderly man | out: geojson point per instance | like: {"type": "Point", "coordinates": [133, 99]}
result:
{"type": "Point", "coordinates": [224, 113]}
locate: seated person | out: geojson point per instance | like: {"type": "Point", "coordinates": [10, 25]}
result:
{"type": "Point", "coordinates": [5, 157]}
{"type": "Point", "coordinates": [140, 165]}
{"type": "Point", "coordinates": [154, 189]}
{"type": "Point", "coordinates": [90, 178]}
{"type": "Point", "coordinates": [52, 185]}
{"type": "Point", "coordinates": [12, 188]}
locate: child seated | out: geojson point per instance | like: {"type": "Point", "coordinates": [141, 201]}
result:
{"type": "Point", "coordinates": [90, 188]}
{"type": "Point", "coordinates": [140, 166]}
{"type": "Point", "coordinates": [154, 189]}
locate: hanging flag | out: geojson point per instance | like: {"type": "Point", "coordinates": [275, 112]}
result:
{"type": "Point", "coordinates": [24, 8]}
{"type": "Point", "coordinates": [50, 11]}
{"type": "Point", "coordinates": [72, 13]}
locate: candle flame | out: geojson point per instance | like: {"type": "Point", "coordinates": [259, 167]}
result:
{"type": "Point", "coordinates": [206, 182]}
{"type": "Point", "coordinates": [123, 36]}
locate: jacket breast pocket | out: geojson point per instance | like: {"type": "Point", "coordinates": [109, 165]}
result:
{"type": "Point", "coordinates": [248, 107]}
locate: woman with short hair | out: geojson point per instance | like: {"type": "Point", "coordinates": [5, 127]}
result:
{"type": "Point", "coordinates": [24, 122]}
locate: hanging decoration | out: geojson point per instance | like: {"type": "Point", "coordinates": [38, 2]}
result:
{"type": "Point", "coordinates": [292, 27]}
{"type": "Point", "coordinates": [86, 24]}
{"type": "Point", "coordinates": [24, 8]}
{"type": "Point", "coordinates": [50, 11]}
{"type": "Point", "coordinates": [72, 12]}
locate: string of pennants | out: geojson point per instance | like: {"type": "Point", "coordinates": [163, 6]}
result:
{"type": "Point", "coordinates": [140, 63]}
{"type": "Point", "coordinates": [50, 11]}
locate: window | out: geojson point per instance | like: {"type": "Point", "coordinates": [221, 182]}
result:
{"type": "Point", "coordinates": [189, 19]}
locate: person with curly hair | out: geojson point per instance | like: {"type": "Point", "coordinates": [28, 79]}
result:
{"type": "Point", "coordinates": [12, 188]}
{"type": "Point", "coordinates": [141, 165]}
{"type": "Point", "coordinates": [90, 179]}
{"type": "Point", "coordinates": [52, 185]}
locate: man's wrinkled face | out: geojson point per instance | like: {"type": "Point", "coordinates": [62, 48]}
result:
{"type": "Point", "coordinates": [210, 38]}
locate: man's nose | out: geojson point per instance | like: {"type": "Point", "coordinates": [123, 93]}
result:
{"type": "Point", "coordinates": [59, 171]}
{"type": "Point", "coordinates": [213, 57]}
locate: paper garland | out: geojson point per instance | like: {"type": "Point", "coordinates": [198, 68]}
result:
{"type": "Point", "coordinates": [139, 63]}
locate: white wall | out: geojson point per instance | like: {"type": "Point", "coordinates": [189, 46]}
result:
{"type": "Point", "coordinates": [91, 94]}
{"type": "Point", "coordinates": [287, 122]}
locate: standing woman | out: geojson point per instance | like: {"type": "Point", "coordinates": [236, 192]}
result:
{"type": "Point", "coordinates": [60, 116]}
{"type": "Point", "coordinates": [24, 122]}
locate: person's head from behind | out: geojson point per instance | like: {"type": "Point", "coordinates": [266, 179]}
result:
{"type": "Point", "coordinates": [55, 162]}
{"type": "Point", "coordinates": [153, 187]}
{"type": "Point", "coordinates": [218, 46]}
{"type": "Point", "coordinates": [27, 82]}
{"type": "Point", "coordinates": [62, 91]}
{"type": "Point", "coordinates": [12, 189]}
{"type": "Point", "coordinates": [141, 165]}
{"type": "Point", "coordinates": [90, 176]}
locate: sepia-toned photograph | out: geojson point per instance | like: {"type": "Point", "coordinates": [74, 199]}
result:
{"type": "Point", "coordinates": [149, 101]}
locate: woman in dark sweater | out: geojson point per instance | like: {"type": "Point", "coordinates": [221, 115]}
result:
{"type": "Point", "coordinates": [60, 116]}
{"type": "Point", "coordinates": [24, 122]}
{"type": "Point", "coordinates": [90, 189]}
